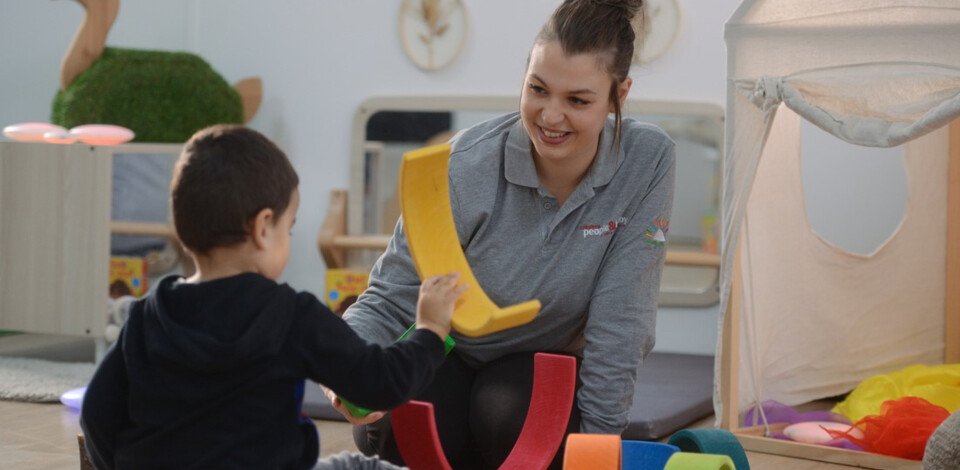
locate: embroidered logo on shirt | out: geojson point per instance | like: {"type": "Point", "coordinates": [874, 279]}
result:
{"type": "Point", "coordinates": [602, 230]}
{"type": "Point", "coordinates": [656, 232]}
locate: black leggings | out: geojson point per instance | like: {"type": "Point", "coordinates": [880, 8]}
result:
{"type": "Point", "coordinates": [479, 413]}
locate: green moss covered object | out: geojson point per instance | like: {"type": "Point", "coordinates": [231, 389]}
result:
{"type": "Point", "coordinates": [161, 96]}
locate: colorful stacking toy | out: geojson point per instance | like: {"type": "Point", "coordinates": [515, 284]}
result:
{"type": "Point", "coordinates": [554, 383]}
{"type": "Point", "coordinates": [710, 441]}
{"type": "Point", "coordinates": [592, 452]}
{"type": "Point", "coordinates": [691, 461]}
{"type": "Point", "coordinates": [643, 455]}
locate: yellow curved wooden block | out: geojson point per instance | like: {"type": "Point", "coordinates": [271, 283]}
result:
{"type": "Point", "coordinates": [432, 238]}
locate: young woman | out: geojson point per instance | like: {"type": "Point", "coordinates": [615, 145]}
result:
{"type": "Point", "coordinates": [564, 202]}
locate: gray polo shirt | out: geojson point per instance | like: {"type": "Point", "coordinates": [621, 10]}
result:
{"type": "Point", "coordinates": [594, 262]}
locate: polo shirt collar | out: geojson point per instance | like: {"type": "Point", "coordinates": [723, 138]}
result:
{"type": "Point", "coordinates": [518, 160]}
{"type": "Point", "coordinates": [520, 170]}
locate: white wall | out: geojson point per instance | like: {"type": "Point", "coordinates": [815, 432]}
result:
{"type": "Point", "coordinates": [320, 58]}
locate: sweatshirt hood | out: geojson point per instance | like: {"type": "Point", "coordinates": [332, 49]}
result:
{"type": "Point", "coordinates": [217, 326]}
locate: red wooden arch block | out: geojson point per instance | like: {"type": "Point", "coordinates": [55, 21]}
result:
{"type": "Point", "coordinates": [554, 384]}
{"type": "Point", "coordinates": [415, 430]}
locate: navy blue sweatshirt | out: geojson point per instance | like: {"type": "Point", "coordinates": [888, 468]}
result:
{"type": "Point", "coordinates": [211, 375]}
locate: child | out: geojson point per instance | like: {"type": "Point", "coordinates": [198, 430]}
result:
{"type": "Point", "coordinates": [209, 371]}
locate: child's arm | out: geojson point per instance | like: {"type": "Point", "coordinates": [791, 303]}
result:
{"type": "Point", "coordinates": [351, 411]}
{"type": "Point", "coordinates": [104, 410]}
{"type": "Point", "coordinates": [369, 375]}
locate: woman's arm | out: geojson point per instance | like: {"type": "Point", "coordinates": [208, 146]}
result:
{"type": "Point", "coordinates": [620, 328]}
{"type": "Point", "coordinates": [388, 306]}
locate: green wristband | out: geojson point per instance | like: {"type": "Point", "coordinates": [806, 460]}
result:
{"type": "Point", "coordinates": [448, 342]}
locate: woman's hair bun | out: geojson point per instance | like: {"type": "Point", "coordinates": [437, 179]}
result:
{"type": "Point", "coordinates": [630, 7]}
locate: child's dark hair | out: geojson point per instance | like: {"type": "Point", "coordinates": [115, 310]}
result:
{"type": "Point", "coordinates": [601, 27]}
{"type": "Point", "coordinates": [227, 174]}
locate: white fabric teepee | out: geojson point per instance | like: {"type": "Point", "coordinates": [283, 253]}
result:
{"type": "Point", "coordinates": [815, 320]}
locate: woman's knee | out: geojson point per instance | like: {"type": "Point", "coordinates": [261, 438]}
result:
{"type": "Point", "coordinates": [498, 405]}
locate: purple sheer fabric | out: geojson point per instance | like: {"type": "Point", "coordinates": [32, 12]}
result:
{"type": "Point", "coordinates": [777, 412]}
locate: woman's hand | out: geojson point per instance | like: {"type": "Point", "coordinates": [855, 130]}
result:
{"type": "Point", "coordinates": [354, 420]}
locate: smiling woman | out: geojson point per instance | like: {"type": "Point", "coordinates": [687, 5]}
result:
{"type": "Point", "coordinates": [564, 106]}
{"type": "Point", "coordinates": [521, 187]}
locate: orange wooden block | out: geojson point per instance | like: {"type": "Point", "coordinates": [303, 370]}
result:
{"type": "Point", "coordinates": [592, 452]}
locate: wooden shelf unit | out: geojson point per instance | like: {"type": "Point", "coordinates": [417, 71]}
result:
{"type": "Point", "coordinates": [55, 226]}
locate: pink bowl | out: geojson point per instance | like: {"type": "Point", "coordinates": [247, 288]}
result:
{"type": "Point", "coordinates": [102, 134]}
{"type": "Point", "coordinates": [813, 432]}
{"type": "Point", "coordinates": [31, 131]}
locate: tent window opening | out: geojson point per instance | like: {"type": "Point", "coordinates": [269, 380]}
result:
{"type": "Point", "coordinates": [855, 196]}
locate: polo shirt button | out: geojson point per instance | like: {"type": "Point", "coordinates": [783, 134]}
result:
{"type": "Point", "coordinates": [547, 205]}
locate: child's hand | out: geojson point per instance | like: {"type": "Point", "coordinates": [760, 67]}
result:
{"type": "Point", "coordinates": [438, 295]}
{"type": "Point", "coordinates": [354, 420]}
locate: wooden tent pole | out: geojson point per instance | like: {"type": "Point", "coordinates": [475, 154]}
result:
{"type": "Point", "coordinates": [951, 337]}
{"type": "Point", "coordinates": [730, 354]}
